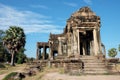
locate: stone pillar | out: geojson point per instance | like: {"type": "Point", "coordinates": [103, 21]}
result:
{"type": "Point", "coordinates": [69, 48]}
{"type": "Point", "coordinates": [50, 51]}
{"type": "Point", "coordinates": [96, 46]}
{"type": "Point", "coordinates": [37, 54]}
{"type": "Point", "coordinates": [99, 38]}
{"type": "Point", "coordinates": [50, 54]}
{"type": "Point", "coordinates": [60, 47]}
{"type": "Point", "coordinates": [78, 42]}
{"type": "Point", "coordinates": [75, 43]}
{"type": "Point", "coordinates": [69, 40]}
{"type": "Point", "coordinates": [44, 53]}
{"type": "Point", "coordinates": [40, 53]}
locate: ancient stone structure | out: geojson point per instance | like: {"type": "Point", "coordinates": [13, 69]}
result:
{"type": "Point", "coordinates": [78, 49]}
{"type": "Point", "coordinates": [81, 36]}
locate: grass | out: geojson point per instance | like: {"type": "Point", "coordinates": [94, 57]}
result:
{"type": "Point", "coordinates": [18, 67]}
{"type": "Point", "coordinates": [9, 76]}
{"type": "Point", "coordinates": [2, 66]}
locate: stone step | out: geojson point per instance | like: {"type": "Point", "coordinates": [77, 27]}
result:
{"type": "Point", "coordinates": [91, 60]}
{"type": "Point", "coordinates": [95, 72]}
{"type": "Point", "coordinates": [88, 59]}
{"type": "Point", "coordinates": [94, 66]}
{"type": "Point", "coordinates": [88, 63]}
{"type": "Point", "coordinates": [87, 56]}
{"type": "Point", "coordinates": [95, 69]}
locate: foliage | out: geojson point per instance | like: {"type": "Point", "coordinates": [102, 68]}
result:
{"type": "Point", "coordinates": [112, 52]}
{"type": "Point", "coordinates": [14, 40]}
{"type": "Point", "coordinates": [1, 35]}
{"type": "Point", "coordinates": [10, 76]}
{"type": "Point", "coordinates": [21, 57]}
{"type": "Point", "coordinates": [30, 59]}
{"type": "Point", "coordinates": [1, 46]}
{"type": "Point", "coordinates": [7, 57]}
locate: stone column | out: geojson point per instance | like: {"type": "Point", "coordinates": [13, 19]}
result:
{"type": "Point", "coordinates": [69, 40]}
{"type": "Point", "coordinates": [44, 54]}
{"type": "Point", "coordinates": [40, 53]}
{"type": "Point", "coordinates": [60, 47]}
{"type": "Point", "coordinates": [78, 42]}
{"type": "Point", "coordinates": [37, 54]}
{"type": "Point", "coordinates": [75, 43]}
{"type": "Point", "coordinates": [49, 53]}
{"type": "Point", "coordinates": [96, 46]}
{"type": "Point", "coordinates": [99, 38]}
{"type": "Point", "coordinates": [69, 48]}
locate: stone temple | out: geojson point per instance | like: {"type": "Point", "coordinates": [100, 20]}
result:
{"type": "Point", "coordinates": [81, 36]}
{"type": "Point", "coordinates": [78, 48]}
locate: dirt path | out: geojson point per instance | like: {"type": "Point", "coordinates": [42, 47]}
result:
{"type": "Point", "coordinates": [57, 76]}
{"type": "Point", "coordinates": [2, 76]}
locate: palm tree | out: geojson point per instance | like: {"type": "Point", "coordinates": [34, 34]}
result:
{"type": "Point", "coordinates": [14, 40]}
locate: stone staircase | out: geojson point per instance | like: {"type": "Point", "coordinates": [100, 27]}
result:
{"type": "Point", "coordinates": [92, 65]}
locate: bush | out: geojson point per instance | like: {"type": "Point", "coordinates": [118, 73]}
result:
{"type": "Point", "coordinates": [20, 61]}
{"type": "Point", "coordinates": [10, 76]}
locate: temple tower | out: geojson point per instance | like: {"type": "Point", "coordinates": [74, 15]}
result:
{"type": "Point", "coordinates": [83, 30]}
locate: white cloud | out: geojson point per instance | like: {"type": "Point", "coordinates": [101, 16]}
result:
{"type": "Point", "coordinates": [28, 20]}
{"type": "Point", "coordinates": [88, 1]}
{"type": "Point", "coordinates": [39, 6]}
{"type": "Point", "coordinates": [70, 4]}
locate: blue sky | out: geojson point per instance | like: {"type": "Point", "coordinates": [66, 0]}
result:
{"type": "Point", "coordinates": [40, 17]}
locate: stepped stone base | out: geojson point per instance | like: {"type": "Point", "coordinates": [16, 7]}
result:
{"type": "Point", "coordinates": [82, 65]}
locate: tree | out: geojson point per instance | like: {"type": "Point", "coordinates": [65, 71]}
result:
{"type": "Point", "coordinates": [112, 52]}
{"type": "Point", "coordinates": [14, 40]}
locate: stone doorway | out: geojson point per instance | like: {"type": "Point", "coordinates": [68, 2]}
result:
{"type": "Point", "coordinates": [86, 44]}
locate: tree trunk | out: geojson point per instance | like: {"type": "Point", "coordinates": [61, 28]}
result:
{"type": "Point", "coordinates": [12, 59]}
